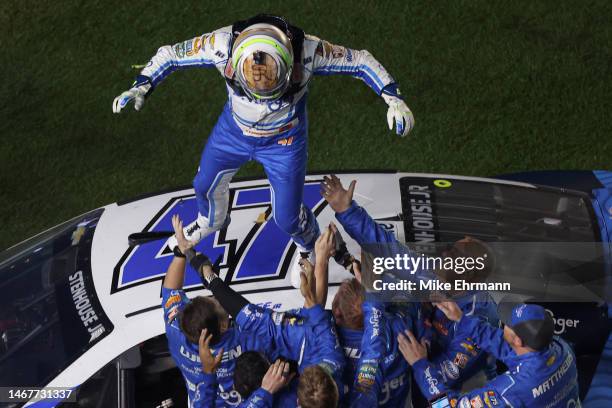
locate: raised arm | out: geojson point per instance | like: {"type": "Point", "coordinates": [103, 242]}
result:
{"type": "Point", "coordinates": [330, 59]}
{"type": "Point", "coordinates": [204, 51]}
{"type": "Point", "coordinates": [354, 219]}
{"type": "Point", "coordinates": [368, 382]}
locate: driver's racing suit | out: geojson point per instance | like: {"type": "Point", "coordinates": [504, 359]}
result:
{"type": "Point", "coordinates": [274, 133]}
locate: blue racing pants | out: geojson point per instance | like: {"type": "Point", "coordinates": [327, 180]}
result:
{"type": "Point", "coordinates": [283, 157]}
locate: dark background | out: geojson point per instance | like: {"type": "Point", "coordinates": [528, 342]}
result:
{"type": "Point", "coordinates": [494, 88]}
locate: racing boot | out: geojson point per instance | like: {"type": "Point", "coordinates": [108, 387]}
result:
{"type": "Point", "coordinates": [196, 231]}
{"type": "Point", "coordinates": [296, 268]}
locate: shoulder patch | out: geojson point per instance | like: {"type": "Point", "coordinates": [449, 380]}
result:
{"type": "Point", "coordinates": [179, 49]}
{"type": "Point", "coordinates": [450, 369]}
{"type": "Point", "coordinates": [461, 360]}
{"type": "Point", "coordinates": [175, 298]}
{"type": "Point", "coordinates": [338, 51]}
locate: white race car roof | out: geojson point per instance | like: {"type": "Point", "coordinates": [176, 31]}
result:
{"type": "Point", "coordinates": [128, 280]}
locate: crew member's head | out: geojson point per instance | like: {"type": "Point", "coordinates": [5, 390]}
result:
{"type": "Point", "coordinates": [251, 367]}
{"type": "Point", "coordinates": [317, 389]}
{"type": "Point", "coordinates": [262, 58]}
{"type": "Point", "coordinates": [203, 313]}
{"type": "Point", "coordinates": [473, 261]}
{"type": "Point", "coordinates": [527, 327]}
{"type": "Point", "coordinates": [346, 306]}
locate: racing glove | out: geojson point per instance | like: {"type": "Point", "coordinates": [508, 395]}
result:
{"type": "Point", "coordinates": [140, 89]}
{"type": "Point", "coordinates": [398, 111]}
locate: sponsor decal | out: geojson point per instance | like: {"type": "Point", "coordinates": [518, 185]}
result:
{"type": "Point", "coordinates": [197, 45]}
{"type": "Point", "coordinates": [490, 399]}
{"type": "Point", "coordinates": [450, 369]}
{"type": "Point", "coordinates": [477, 402]}
{"type": "Point", "coordinates": [349, 55]}
{"type": "Point", "coordinates": [172, 313]}
{"type": "Point", "coordinates": [319, 50]}
{"type": "Point", "coordinates": [211, 41]}
{"type": "Point", "coordinates": [375, 322]}
{"type": "Point", "coordinates": [307, 60]}
{"type": "Point", "coordinates": [418, 200]}
{"type": "Point", "coordinates": [172, 300]}
{"type": "Point", "coordinates": [438, 183]}
{"type": "Point", "coordinates": [366, 376]}
{"type": "Point", "coordinates": [286, 141]}
{"type": "Point", "coordinates": [432, 382]}
{"type": "Point", "coordinates": [389, 386]}
{"type": "Point", "coordinates": [561, 324]}
{"type": "Point", "coordinates": [551, 360]}
{"type": "Point", "coordinates": [229, 69]}
{"type": "Point", "coordinates": [518, 312]}
{"type": "Point", "coordinates": [327, 47]}
{"type": "Point", "coordinates": [83, 306]}
{"type": "Point", "coordinates": [277, 317]}
{"type": "Point", "coordinates": [440, 327]}
{"type": "Point", "coordinates": [230, 354]}
{"type": "Point", "coordinates": [554, 378]}
{"type": "Point", "coordinates": [220, 54]}
{"type": "Point", "coordinates": [337, 51]}
{"type": "Point", "coordinates": [353, 353]}
{"type": "Point", "coordinates": [179, 50]}
{"type": "Point", "coordinates": [465, 403]}
{"type": "Point", "coordinates": [189, 355]}
{"type": "Point", "coordinates": [461, 360]}
{"type": "Point", "coordinates": [189, 48]}
{"type": "Point", "coordinates": [471, 348]}
{"type": "Point", "coordinates": [259, 252]}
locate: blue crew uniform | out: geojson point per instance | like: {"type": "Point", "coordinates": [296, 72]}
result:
{"type": "Point", "coordinates": [306, 336]}
{"type": "Point", "coordinates": [546, 378]}
{"type": "Point", "coordinates": [375, 350]}
{"type": "Point", "coordinates": [459, 357]}
{"type": "Point", "coordinates": [233, 342]}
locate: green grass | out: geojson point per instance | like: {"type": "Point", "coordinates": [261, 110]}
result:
{"type": "Point", "coordinates": [494, 88]}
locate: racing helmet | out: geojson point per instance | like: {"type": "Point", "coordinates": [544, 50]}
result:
{"type": "Point", "coordinates": [262, 58]}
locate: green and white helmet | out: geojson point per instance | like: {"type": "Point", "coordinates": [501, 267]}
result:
{"type": "Point", "coordinates": [262, 58]}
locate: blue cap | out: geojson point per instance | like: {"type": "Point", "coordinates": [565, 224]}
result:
{"type": "Point", "coordinates": [531, 322]}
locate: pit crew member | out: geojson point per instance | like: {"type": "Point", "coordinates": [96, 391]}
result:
{"type": "Point", "coordinates": [267, 65]}
{"type": "Point", "coordinates": [306, 336]}
{"type": "Point", "coordinates": [185, 319]}
{"type": "Point", "coordinates": [541, 367]}
{"type": "Point", "coordinates": [375, 371]}
{"type": "Point", "coordinates": [459, 357]}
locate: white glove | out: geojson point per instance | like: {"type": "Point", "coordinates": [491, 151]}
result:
{"type": "Point", "coordinates": [136, 93]}
{"type": "Point", "coordinates": [400, 113]}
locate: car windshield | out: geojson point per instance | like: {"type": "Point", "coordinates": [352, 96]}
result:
{"type": "Point", "coordinates": [49, 312]}
{"type": "Point", "coordinates": [545, 240]}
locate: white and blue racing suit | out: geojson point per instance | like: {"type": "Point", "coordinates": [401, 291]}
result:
{"type": "Point", "coordinates": [273, 133]}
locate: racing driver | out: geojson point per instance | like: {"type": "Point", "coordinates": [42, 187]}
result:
{"type": "Point", "coordinates": [267, 65]}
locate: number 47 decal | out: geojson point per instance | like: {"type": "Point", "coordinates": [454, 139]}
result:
{"type": "Point", "coordinates": [252, 249]}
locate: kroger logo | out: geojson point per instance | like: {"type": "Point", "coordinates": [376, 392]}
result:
{"type": "Point", "coordinates": [250, 251]}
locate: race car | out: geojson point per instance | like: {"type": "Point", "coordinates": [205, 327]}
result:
{"type": "Point", "coordinates": [80, 309]}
